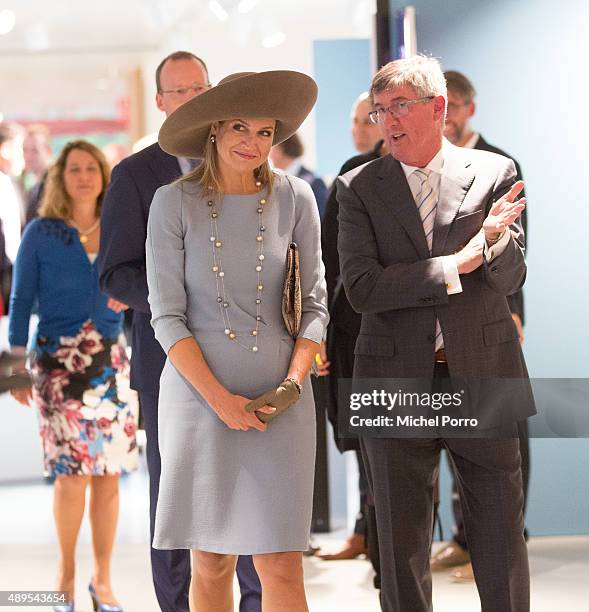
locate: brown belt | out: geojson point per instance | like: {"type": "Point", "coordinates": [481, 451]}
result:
{"type": "Point", "coordinates": [441, 356]}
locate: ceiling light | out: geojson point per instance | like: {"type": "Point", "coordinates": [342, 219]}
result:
{"type": "Point", "coordinates": [245, 6]}
{"type": "Point", "coordinates": [220, 13]}
{"type": "Point", "coordinates": [7, 21]}
{"type": "Point", "coordinates": [274, 40]}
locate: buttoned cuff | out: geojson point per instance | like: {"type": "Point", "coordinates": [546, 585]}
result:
{"type": "Point", "coordinates": [451, 276]}
{"type": "Point", "coordinates": [495, 249]}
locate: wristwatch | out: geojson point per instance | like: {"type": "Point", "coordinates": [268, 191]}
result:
{"type": "Point", "coordinates": [296, 384]}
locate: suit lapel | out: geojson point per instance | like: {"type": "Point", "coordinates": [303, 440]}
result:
{"type": "Point", "coordinates": [393, 190]}
{"type": "Point", "coordinates": [457, 177]}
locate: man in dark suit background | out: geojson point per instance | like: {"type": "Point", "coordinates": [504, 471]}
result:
{"type": "Point", "coordinates": [338, 352]}
{"type": "Point", "coordinates": [286, 156]}
{"type": "Point", "coordinates": [365, 134]}
{"type": "Point", "coordinates": [338, 363]}
{"type": "Point", "coordinates": [179, 77]}
{"type": "Point", "coordinates": [461, 107]}
{"type": "Point", "coordinates": [430, 247]}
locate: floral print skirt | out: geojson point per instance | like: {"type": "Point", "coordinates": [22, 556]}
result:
{"type": "Point", "coordinates": [87, 413]}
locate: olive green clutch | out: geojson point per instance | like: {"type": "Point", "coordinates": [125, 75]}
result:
{"type": "Point", "coordinates": [286, 394]}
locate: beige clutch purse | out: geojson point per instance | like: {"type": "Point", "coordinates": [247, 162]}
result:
{"type": "Point", "coordinates": [291, 294]}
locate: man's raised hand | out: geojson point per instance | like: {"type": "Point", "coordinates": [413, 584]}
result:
{"type": "Point", "coordinates": [504, 212]}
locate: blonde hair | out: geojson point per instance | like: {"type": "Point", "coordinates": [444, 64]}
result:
{"type": "Point", "coordinates": [56, 203]}
{"type": "Point", "coordinates": [207, 174]}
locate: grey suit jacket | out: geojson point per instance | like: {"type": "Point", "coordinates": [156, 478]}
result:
{"type": "Point", "coordinates": [391, 279]}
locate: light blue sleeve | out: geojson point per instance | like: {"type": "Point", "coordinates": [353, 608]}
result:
{"type": "Point", "coordinates": [307, 235]}
{"type": "Point", "coordinates": [165, 267]}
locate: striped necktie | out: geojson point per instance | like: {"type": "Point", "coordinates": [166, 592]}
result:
{"type": "Point", "coordinates": [427, 203]}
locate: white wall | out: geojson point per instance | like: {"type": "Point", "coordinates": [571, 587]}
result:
{"type": "Point", "coordinates": [87, 81]}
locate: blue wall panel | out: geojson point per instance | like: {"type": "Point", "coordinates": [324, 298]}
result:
{"type": "Point", "coordinates": [342, 69]}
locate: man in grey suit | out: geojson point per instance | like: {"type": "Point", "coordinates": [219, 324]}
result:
{"type": "Point", "coordinates": [430, 247]}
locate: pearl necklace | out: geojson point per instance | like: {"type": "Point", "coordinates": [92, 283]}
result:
{"type": "Point", "coordinates": [219, 272]}
{"type": "Point", "coordinates": [84, 234]}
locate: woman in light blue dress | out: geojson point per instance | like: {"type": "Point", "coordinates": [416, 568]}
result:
{"type": "Point", "coordinates": [216, 261]}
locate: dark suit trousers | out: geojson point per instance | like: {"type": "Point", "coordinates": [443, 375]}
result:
{"type": "Point", "coordinates": [171, 568]}
{"type": "Point", "coordinates": [524, 450]}
{"type": "Point", "coordinates": [402, 474]}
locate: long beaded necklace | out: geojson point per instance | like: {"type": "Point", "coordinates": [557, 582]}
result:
{"type": "Point", "coordinates": [219, 272]}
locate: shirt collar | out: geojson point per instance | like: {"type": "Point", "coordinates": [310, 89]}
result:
{"type": "Point", "coordinates": [471, 142]}
{"type": "Point", "coordinates": [435, 165]}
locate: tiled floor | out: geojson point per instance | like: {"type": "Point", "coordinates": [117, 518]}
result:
{"type": "Point", "coordinates": [560, 566]}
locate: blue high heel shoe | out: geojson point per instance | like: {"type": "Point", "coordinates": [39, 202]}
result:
{"type": "Point", "coordinates": [66, 607]}
{"type": "Point", "coordinates": [98, 605]}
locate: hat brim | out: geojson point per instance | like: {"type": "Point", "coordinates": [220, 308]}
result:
{"type": "Point", "coordinates": [284, 95]}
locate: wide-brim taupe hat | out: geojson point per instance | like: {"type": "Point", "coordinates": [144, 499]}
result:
{"type": "Point", "coordinates": [284, 95]}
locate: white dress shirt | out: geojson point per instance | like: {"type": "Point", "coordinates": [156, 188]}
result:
{"type": "Point", "coordinates": [435, 166]}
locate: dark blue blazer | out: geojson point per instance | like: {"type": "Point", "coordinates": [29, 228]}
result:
{"type": "Point", "coordinates": [122, 252]}
{"type": "Point", "coordinates": [318, 187]}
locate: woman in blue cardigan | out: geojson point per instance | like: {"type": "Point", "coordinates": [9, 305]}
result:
{"type": "Point", "coordinates": [87, 415]}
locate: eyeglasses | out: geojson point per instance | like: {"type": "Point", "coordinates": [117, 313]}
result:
{"type": "Point", "coordinates": [181, 91]}
{"type": "Point", "coordinates": [399, 108]}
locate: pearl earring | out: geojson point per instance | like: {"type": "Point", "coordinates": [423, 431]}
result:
{"type": "Point", "coordinates": [213, 138]}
